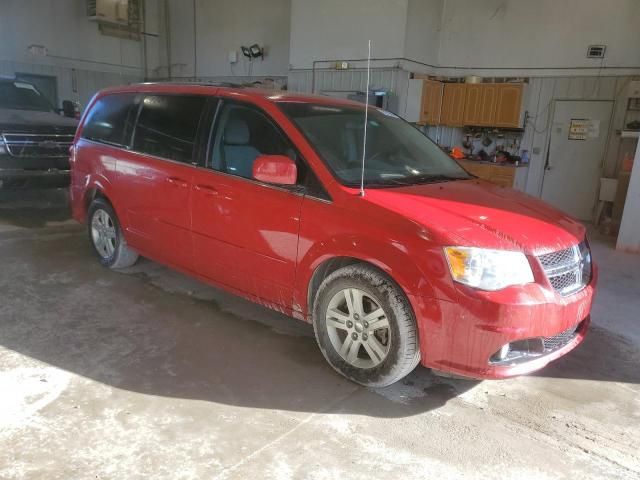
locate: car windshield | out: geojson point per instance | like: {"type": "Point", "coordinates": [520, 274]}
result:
{"type": "Point", "coordinates": [22, 96]}
{"type": "Point", "coordinates": [396, 154]}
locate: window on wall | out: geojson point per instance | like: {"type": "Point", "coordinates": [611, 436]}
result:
{"type": "Point", "coordinates": [167, 126]}
{"type": "Point", "coordinates": [111, 119]}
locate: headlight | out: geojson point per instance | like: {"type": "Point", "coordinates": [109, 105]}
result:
{"type": "Point", "coordinates": [488, 269]}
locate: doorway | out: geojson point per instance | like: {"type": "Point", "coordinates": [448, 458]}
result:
{"type": "Point", "coordinates": [579, 132]}
{"type": "Point", "coordinates": [46, 84]}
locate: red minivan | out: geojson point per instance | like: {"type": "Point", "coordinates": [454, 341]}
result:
{"type": "Point", "coordinates": [258, 192]}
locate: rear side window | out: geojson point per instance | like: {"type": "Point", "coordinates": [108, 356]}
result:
{"type": "Point", "coordinates": [167, 126]}
{"type": "Point", "coordinates": [111, 119]}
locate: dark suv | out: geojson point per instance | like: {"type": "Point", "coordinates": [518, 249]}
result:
{"type": "Point", "coordinates": [34, 138]}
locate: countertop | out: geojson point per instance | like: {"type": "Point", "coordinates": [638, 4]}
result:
{"type": "Point", "coordinates": [502, 165]}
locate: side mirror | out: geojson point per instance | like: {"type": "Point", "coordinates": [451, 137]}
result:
{"type": "Point", "coordinates": [69, 109]}
{"type": "Point", "coordinates": [276, 169]}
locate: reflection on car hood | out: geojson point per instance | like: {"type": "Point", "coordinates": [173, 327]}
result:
{"type": "Point", "coordinates": [25, 119]}
{"type": "Point", "coordinates": [484, 215]}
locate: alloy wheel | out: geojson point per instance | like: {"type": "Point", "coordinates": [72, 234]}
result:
{"type": "Point", "coordinates": [103, 233]}
{"type": "Point", "coordinates": [358, 328]}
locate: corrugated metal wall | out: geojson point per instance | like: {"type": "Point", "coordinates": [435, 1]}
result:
{"type": "Point", "coordinates": [542, 91]}
{"type": "Point", "coordinates": [73, 84]}
{"type": "Point", "coordinates": [342, 82]}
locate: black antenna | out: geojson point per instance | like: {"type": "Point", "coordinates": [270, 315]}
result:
{"type": "Point", "coordinates": [366, 120]}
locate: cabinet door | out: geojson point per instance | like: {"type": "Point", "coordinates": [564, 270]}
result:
{"type": "Point", "coordinates": [472, 104]}
{"type": "Point", "coordinates": [509, 104]}
{"type": "Point", "coordinates": [431, 102]}
{"type": "Point", "coordinates": [488, 100]}
{"type": "Point", "coordinates": [502, 175]}
{"type": "Point", "coordinates": [453, 101]}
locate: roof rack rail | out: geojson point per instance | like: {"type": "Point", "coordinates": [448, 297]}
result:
{"type": "Point", "coordinates": [199, 83]}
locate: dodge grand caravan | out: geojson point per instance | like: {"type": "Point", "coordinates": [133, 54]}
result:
{"type": "Point", "coordinates": [258, 192]}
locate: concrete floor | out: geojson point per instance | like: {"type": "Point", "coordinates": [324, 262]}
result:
{"type": "Point", "coordinates": [148, 374]}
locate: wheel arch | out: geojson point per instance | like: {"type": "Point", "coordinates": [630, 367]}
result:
{"type": "Point", "coordinates": [330, 264]}
{"type": "Point", "coordinates": [91, 194]}
{"type": "Point", "coordinates": [98, 187]}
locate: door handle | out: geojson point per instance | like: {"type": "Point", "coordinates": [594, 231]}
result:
{"type": "Point", "coordinates": [206, 189]}
{"type": "Point", "coordinates": [178, 182]}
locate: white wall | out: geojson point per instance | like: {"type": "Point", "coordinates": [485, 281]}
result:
{"type": "Point", "coordinates": [63, 28]}
{"type": "Point", "coordinates": [224, 26]}
{"type": "Point", "coordinates": [422, 39]}
{"type": "Point", "coordinates": [340, 29]}
{"type": "Point", "coordinates": [485, 37]}
{"type": "Point", "coordinates": [77, 54]}
{"type": "Point", "coordinates": [541, 33]}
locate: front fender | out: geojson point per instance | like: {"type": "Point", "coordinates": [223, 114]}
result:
{"type": "Point", "coordinates": [416, 265]}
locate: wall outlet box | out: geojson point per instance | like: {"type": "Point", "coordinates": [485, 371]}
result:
{"type": "Point", "coordinates": [233, 56]}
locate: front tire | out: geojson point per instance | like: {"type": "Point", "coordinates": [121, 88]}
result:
{"type": "Point", "coordinates": [107, 238]}
{"type": "Point", "coordinates": [365, 327]}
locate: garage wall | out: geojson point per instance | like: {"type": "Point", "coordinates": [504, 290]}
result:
{"type": "Point", "coordinates": [76, 84]}
{"type": "Point", "coordinates": [203, 32]}
{"type": "Point", "coordinates": [541, 33]}
{"type": "Point", "coordinates": [422, 39]}
{"type": "Point", "coordinates": [340, 29]}
{"type": "Point", "coordinates": [63, 28]}
{"type": "Point", "coordinates": [543, 91]}
{"type": "Point", "coordinates": [82, 59]}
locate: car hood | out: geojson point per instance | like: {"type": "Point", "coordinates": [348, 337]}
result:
{"type": "Point", "coordinates": [477, 213]}
{"type": "Point", "coordinates": [27, 119]}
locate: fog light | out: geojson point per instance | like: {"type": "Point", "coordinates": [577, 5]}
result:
{"type": "Point", "coordinates": [504, 351]}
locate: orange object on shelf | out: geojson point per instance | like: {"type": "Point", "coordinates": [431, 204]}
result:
{"type": "Point", "coordinates": [457, 153]}
{"type": "Point", "coordinates": [627, 162]}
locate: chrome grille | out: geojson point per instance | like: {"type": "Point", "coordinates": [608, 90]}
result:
{"type": "Point", "coordinates": [560, 340]}
{"type": "Point", "coordinates": [40, 145]}
{"type": "Point", "coordinates": [560, 257]}
{"type": "Point", "coordinates": [568, 270]}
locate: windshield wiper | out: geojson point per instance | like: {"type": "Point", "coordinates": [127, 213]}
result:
{"type": "Point", "coordinates": [406, 181]}
{"type": "Point", "coordinates": [428, 178]}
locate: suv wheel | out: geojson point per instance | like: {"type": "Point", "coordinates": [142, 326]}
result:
{"type": "Point", "coordinates": [365, 327]}
{"type": "Point", "coordinates": [106, 236]}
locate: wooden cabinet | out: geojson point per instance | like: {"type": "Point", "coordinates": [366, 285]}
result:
{"type": "Point", "coordinates": [430, 102]}
{"type": "Point", "coordinates": [472, 104]}
{"type": "Point", "coordinates": [480, 104]}
{"type": "Point", "coordinates": [503, 175]}
{"type": "Point", "coordinates": [493, 105]}
{"type": "Point", "coordinates": [424, 102]}
{"type": "Point", "coordinates": [509, 105]}
{"type": "Point", "coordinates": [453, 101]}
{"type": "Point", "coordinates": [432, 97]}
{"type": "Point", "coordinates": [488, 99]}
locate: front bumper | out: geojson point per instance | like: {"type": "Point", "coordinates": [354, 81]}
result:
{"type": "Point", "coordinates": [461, 338]}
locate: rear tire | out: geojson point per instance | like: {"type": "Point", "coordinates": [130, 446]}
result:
{"type": "Point", "coordinates": [365, 327]}
{"type": "Point", "coordinates": [107, 238]}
